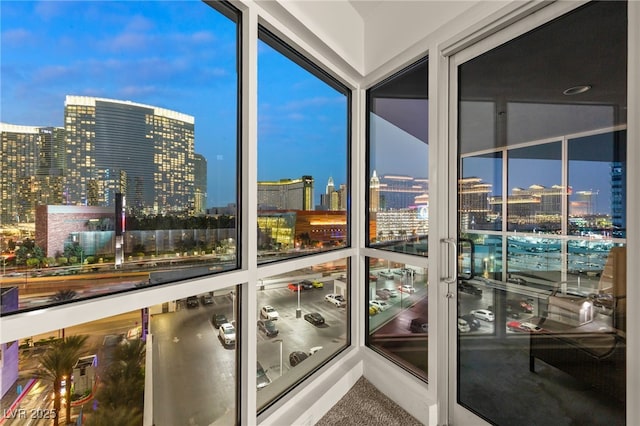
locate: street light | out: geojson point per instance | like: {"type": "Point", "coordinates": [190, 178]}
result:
{"type": "Point", "coordinates": [280, 342]}
{"type": "Point", "coordinates": [298, 311]}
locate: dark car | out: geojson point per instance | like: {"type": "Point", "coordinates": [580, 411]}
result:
{"type": "Point", "coordinates": [297, 357]}
{"type": "Point", "coordinates": [206, 299]}
{"type": "Point", "coordinates": [314, 318]}
{"type": "Point", "coordinates": [218, 320]}
{"type": "Point", "coordinates": [306, 284]}
{"type": "Point", "coordinates": [465, 287]}
{"type": "Point", "coordinates": [419, 325]}
{"type": "Point", "coordinates": [473, 322]}
{"type": "Point", "coordinates": [192, 302]}
{"type": "Point", "coordinates": [268, 327]}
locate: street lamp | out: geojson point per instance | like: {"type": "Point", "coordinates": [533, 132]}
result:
{"type": "Point", "coordinates": [280, 342]}
{"type": "Point", "coordinates": [298, 311]}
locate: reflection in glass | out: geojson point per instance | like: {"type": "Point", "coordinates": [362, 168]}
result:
{"type": "Point", "coordinates": [480, 192]}
{"type": "Point", "coordinates": [536, 196]}
{"type": "Point", "coordinates": [398, 196]}
{"type": "Point", "coordinates": [552, 321]}
{"type": "Point", "coordinates": [302, 323]}
{"type": "Point", "coordinates": [303, 138]}
{"type": "Point", "coordinates": [597, 179]}
{"type": "Point", "coordinates": [134, 185]}
{"type": "Point", "coordinates": [178, 343]}
{"type": "Point", "coordinates": [398, 322]}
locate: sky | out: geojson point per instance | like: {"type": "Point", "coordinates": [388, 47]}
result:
{"type": "Point", "coordinates": [178, 55]}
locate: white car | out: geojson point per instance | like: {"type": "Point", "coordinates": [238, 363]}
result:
{"type": "Point", "coordinates": [380, 304]}
{"type": "Point", "coordinates": [268, 312]}
{"type": "Point", "coordinates": [227, 334]}
{"type": "Point", "coordinates": [336, 299]}
{"type": "Point", "coordinates": [463, 326]}
{"type": "Point", "coordinates": [483, 314]}
{"type": "Point", "coordinates": [407, 289]}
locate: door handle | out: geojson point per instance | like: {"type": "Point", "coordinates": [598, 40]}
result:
{"type": "Point", "coordinates": [453, 244]}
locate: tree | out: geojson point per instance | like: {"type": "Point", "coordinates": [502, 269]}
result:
{"type": "Point", "coordinates": [62, 295]}
{"type": "Point", "coordinates": [122, 387]}
{"type": "Point", "coordinates": [57, 365]}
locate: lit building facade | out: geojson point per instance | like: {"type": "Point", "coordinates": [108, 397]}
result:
{"type": "Point", "coordinates": [32, 163]}
{"type": "Point", "coordinates": [286, 194]}
{"type": "Point", "coordinates": [399, 192]}
{"type": "Point", "coordinates": [144, 152]}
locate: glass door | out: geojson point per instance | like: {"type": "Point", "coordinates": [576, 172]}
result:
{"type": "Point", "coordinates": [540, 151]}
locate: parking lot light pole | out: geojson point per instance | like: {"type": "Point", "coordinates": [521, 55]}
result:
{"type": "Point", "coordinates": [280, 342]}
{"type": "Point", "coordinates": [298, 311]}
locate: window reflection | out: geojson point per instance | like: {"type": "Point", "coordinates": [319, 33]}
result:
{"type": "Point", "coordinates": [398, 322]}
{"type": "Point", "coordinates": [302, 323]}
{"type": "Point", "coordinates": [398, 196]}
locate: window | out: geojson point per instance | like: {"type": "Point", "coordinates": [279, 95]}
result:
{"type": "Point", "coordinates": [303, 135]}
{"type": "Point", "coordinates": [119, 169]}
{"type": "Point", "coordinates": [303, 321]}
{"type": "Point", "coordinates": [398, 163]}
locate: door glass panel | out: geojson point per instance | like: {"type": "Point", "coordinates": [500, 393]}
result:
{"type": "Point", "coordinates": [541, 301]}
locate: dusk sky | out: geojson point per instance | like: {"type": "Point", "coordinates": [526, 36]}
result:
{"type": "Point", "coordinates": [178, 55]}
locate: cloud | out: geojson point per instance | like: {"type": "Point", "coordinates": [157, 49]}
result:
{"type": "Point", "coordinates": [134, 92]}
{"type": "Point", "coordinates": [17, 37]}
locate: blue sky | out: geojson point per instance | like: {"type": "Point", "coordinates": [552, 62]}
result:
{"type": "Point", "coordinates": [178, 55]}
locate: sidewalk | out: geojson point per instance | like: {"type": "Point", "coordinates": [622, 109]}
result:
{"type": "Point", "coordinates": [11, 399]}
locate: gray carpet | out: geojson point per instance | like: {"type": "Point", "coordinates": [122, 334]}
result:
{"type": "Point", "coordinates": [366, 405]}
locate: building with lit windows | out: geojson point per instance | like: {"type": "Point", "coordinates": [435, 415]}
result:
{"type": "Point", "coordinates": [145, 152]}
{"type": "Point", "coordinates": [286, 194]}
{"type": "Point", "coordinates": [33, 164]}
{"type": "Point", "coordinates": [398, 192]}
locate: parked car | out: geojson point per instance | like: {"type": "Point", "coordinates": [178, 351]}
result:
{"type": "Point", "coordinates": [317, 284]}
{"type": "Point", "coordinates": [407, 288]}
{"type": "Point", "coordinates": [268, 312]}
{"type": "Point", "coordinates": [419, 325]}
{"type": "Point", "coordinates": [520, 305]}
{"type": "Point", "coordinates": [380, 304]}
{"type": "Point", "coordinates": [392, 292]}
{"type": "Point", "coordinates": [314, 318]}
{"type": "Point", "coordinates": [336, 299]}
{"type": "Point", "coordinates": [483, 314]}
{"type": "Point", "coordinates": [465, 287]}
{"type": "Point", "coordinates": [262, 379]}
{"type": "Point", "coordinates": [382, 295]}
{"type": "Point", "coordinates": [295, 287]}
{"type": "Point", "coordinates": [306, 284]}
{"type": "Point", "coordinates": [218, 320]}
{"type": "Point", "coordinates": [372, 277]}
{"type": "Point", "coordinates": [227, 334]}
{"type": "Point", "coordinates": [373, 310]}
{"type": "Point", "coordinates": [473, 322]}
{"type": "Point", "coordinates": [206, 299]}
{"type": "Point", "coordinates": [386, 274]}
{"type": "Point", "coordinates": [192, 302]}
{"type": "Point", "coordinates": [522, 326]}
{"type": "Point", "coordinates": [268, 327]}
{"type": "Point", "coordinates": [463, 326]}
{"type": "Point", "coordinates": [296, 357]}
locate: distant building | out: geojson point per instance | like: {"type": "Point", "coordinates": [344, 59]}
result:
{"type": "Point", "coordinates": [290, 229]}
{"type": "Point", "coordinates": [286, 194]}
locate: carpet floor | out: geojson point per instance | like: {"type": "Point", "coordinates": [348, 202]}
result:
{"type": "Point", "coordinates": [363, 404]}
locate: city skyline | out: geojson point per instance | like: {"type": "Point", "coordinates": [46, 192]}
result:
{"type": "Point", "coordinates": [175, 55]}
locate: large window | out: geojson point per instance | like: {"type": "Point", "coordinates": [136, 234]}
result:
{"type": "Point", "coordinates": [398, 163]}
{"type": "Point", "coordinates": [119, 146]}
{"type": "Point", "coordinates": [303, 134]}
{"type": "Point", "coordinates": [303, 321]}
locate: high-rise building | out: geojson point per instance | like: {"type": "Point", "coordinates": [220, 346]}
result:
{"type": "Point", "coordinates": [286, 194]}
{"type": "Point", "coordinates": [32, 164]}
{"type": "Point", "coordinates": [200, 187]}
{"type": "Point", "coordinates": [142, 151]}
{"type": "Point", "coordinates": [374, 193]}
{"type": "Point", "coordinates": [399, 192]}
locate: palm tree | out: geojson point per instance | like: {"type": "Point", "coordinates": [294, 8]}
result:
{"type": "Point", "coordinates": [62, 295]}
{"type": "Point", "coordinates": [123, 382]}
{"type": "Point", "coordinates": [57, 365]}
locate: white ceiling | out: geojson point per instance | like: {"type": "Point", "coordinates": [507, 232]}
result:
{"type": "Point", "coordinates": [365, 7]}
